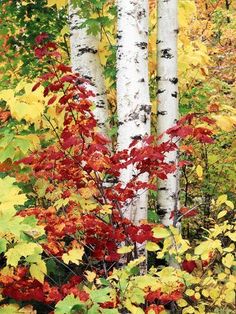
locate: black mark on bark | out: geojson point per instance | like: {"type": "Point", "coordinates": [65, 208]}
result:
{"type": "Point", "coordinates": [161, 113]}
{"type": "Point", "coordinates": [174, 80]}
{"type": "Point", "coordinates": [160, 91]}
{"type": "Point", "coordinates": [142, 45]}
{"type": "Point", "coordinates": [86, 50]}
{"type": "Point", "coordinates": [165, 53]}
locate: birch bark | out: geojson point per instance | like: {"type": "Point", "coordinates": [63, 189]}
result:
{"type": "Point", "coordinates": [85, 60]}
{"type": "Point", "coordinates": [133, 103]}
{"type": "Point", "coordinates": [167, 96]}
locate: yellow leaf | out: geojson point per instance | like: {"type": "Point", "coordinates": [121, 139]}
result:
{"type": "Point", "coordinates": [125, 249]}
{"type": "Point", "coordinates": [59, 3]}
{"type": "Point", "coordinates": [9, 195]}
{"type": "Point", "coordinates": [230, 297]}
{"type": "Point", "coordinates": [202, 247]}
{"type": "Point", "coordinates": [228, 260]}
{"type": "Point", "coordinates": [160, 232]}
{"type": "Point", "coordinates": [188, 310]}
{"type": "Point", "coordinates": [205, 293]}
{"type": "Point", "coordinates": [14, 254]}
{"type": "Point", "coordinates": [38, 271]}
{"type": "Point", "coordinates": [229, 204]}
{"type": "Point", "coordinates": [221, 199]}
{"type": "Point", "coordinates": [106, 209]}
{"type": "Point", "coordinates": [221, 276]}
{"type": "Point", "coordinates": [182, 303]}
{"type": "Point", "coordinates": [136, 262]}
{"type": "Point", "coordinates": [199, 171]}
{"type": "Point", "coordinates": [132, 308]}
{"type": "Point", "coordinates": [189, 292]}
{"type": "Point", "coordinates": [29, 105]}
{"type": "Point", "coordinates": [152, 246]}
{"type": "Point", "coordinates": [87, 205]}
{"type": "Point", "coordinates": [232, 278]}
{"type": "Point", "coordinates": [225, 123]}
{"type": "Point", "coordinates": [214, 293]}
{"type": "Point", "coordinates": [197, 296]}
{"type": "Point", "coordinates": [231, 235]}
{"type": "Point", "coordinates": [90, 275]}
{"type": "Point", "coordinates": [230, 285]}
{"type": "Point", "coordinates": [221, 214]}
{"type": "Point", "coordinates": [74, 256]}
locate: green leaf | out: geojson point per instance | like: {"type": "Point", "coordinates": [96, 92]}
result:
{"type": "Point", "coordinates": [67, 304]}
{"type": "Point", "coordinates": [101, 295]}
{"type": "Point", "coordinates": [94, 309]}
{"type": "Point", "coordinates": [3, 245]}
{"type": "Point", "coordinates": [9, 309]}
{"type": "Point", "coordinates": [109, 311]}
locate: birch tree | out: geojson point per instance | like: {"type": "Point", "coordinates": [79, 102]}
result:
{"type": "Point", "coordinates": [85, 60]}
{"type": "Point", "coordinates": [133, 103]}
{"type": "Point", "coordinates": [167, 99]}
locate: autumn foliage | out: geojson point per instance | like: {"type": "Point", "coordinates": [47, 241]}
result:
{"type": "Point", "coordinates": [64, 242]}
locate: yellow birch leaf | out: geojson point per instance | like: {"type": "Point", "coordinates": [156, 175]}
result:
{"type": "Point", "coordinates": [230, 285]}
{"type": "Point", "coordinates": [221, 276]}
{"type": "Point", "coordinates": [188, 310]}
{"type": "Point", "coordinates": [160, 232]}
{"type": "Point", "coordinates": [228, 260]}
{"type": "Point", "coordinates": [74, 256]}
{"type": "Point", "coordinates": [202, 247]}
{"type": "Point", "coordinates": [199, 171]}
{"type": "Point", "coordinates": [221, 214]}
{"type": "Point", "coordinates": [225, 123]}
{"type": "Point", "coordinates": [230, 297]}
{"type": "Point", "coordinates": [59, 3]}
{"type": "Point", "coordinates": [152, 246]}
{"type": "Point", "coordinates": [231, 235]}
{"type": "Point", "coordinates": [189, 292]}
{"type": "Point", "coordinates": [182, 303]}
{"type": "Point", "coordinates": [125, 249]}
{"type": "Point", "coordinates": [214, 293]}
{"type": "Point", "coordinates": [205, 293]}
{"type": "Point", "coordinates": [229, 204]}
{"type": "Point", "coordinates": [221, 199]}
{"type": "Point", "coordinates": [197, 296]}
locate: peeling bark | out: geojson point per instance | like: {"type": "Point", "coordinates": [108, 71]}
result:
{"type": "Point", "coordinates": [167, 96]}
{"type": "Point", "coordinates": [85, 60]}
{"type": "Point", "coordinates": [133, 102]}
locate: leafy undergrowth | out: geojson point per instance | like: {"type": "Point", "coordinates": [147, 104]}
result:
{"type": "Point", "coordinates": [65, 245]}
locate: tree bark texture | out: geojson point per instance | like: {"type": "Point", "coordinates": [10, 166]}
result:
{"type": "Point", "coordinates": [133, 102]}
{"type": "Point", "coordinates": [85, 61]}
{"type": "Point", "coordinates": [167, 96]}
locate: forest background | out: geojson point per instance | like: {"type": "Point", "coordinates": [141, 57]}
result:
{"type": "Point", "coordinates": [66, 243]}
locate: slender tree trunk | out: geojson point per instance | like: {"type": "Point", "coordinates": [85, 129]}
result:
{"type": "Point", "coordinates": [85, 60]}
{"type": "Point", "coordinates": [227, 5]}
{"type": "Point", "coordinates": [133, 103]}
{"type": "Point", "coordinates": [167, 100]}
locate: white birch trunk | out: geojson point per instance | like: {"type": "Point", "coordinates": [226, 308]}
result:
{"type": "Point", "coordinates": [133, 103]}
{"type": "Point", "coordinates": [85, 60]}
{"type": "Point", "coordinates": [167, 100]}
